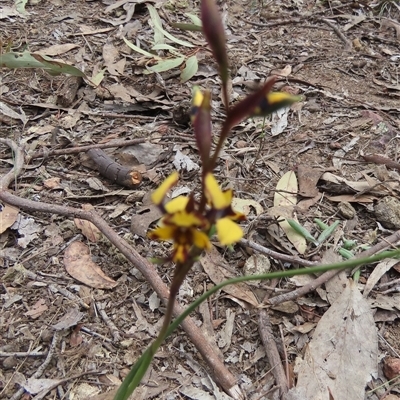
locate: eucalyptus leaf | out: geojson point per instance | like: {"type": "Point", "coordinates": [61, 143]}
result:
{"type": "Point", "coordinates": [20, 6]}
{"type": "Point", "coordinates": [168, 47]}
{"type": "Point", "coordinates": [187, 27]}
{"type": "Point", "coordinates": [98, 77]}
{"type": "Point", "coordinates": [141, 51]}
{"type": "Point", "coordinates": [168, 35]}
{"type": "Point", "coordinates": [155, 18]}
{"type": "Point", "coordinates": [194, 18]}
{"type": "Point", "coordinates": [27, 60]}
{"type": "Point", "coordinates": [190, 69]}
{"type": "Point", "coordinates": [166, 65]}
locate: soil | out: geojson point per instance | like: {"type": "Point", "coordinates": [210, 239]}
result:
{"type": "Point", "coordinates": [343, 59]}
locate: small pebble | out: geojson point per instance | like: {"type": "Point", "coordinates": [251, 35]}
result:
{"type": "Point", "coordinates": [346, 210]}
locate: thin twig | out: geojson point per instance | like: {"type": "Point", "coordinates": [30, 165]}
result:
{"type": "Point", "coordinates": [90, 332]}
{"type": "Point", "coordinates": [338, 32]}
{"type": "Point", "coordinates": [42, 368]}
{"type": "Point", "coordinates": [18, 164]}
{"type": "Point", "coordinates": [24, 354]}
{"type": "Point", "coordinates": [274, 359]}
{"type": "Point", "coordinates": [383, 244]}
{"type": "Point", "coordinates": [276, 255]}
{"type": "Point", "coordinates": [270, 344]}
{"type": "Point", "coordinates": [70, 296]}
{"type": "Point", "coordinates": [111, 326]}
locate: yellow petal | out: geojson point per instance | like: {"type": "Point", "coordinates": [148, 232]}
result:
{"type": "Point", "coordinates": [162, 233]}
{"type": "Point", "coordinates": [196, 102]}
{"type": "Point", "coordinates": [228, 232]}
{"type": "Point", "coordinates": [158, 195]}
{"type": "Point", "coordinates": [183, 219]}
{"type": "Point", "coordinates": [201, 240]}
{"type": "Point", "coordinates": [215, 195]}
{"type": "Point", "coordinates": [177, 204]}
{"type": "Point", "coordinates": [180, 254]}
{"type": "Point", "coordinates": [273, 101]}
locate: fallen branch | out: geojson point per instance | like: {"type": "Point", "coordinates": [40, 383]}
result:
{"type": "Point", "coordinates": [124, 176]}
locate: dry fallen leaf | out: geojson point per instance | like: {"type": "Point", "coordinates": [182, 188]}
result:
{"type": "Point", "coordinates": [8, 215]}
{"type": "Point", "coordinates": [71, 318]}
{"type": "Point", "coordinates": [90, 231]}
{"type": "Point", "coordinates": [37, 309]}
{"type": "Point", "coordinates": [212, 263]}
{"type": "Point", "coordinates": [379, 270]}
{"type": "Point", "coordinates": [79, 265]}
{"type": "Point", "coordinates": [245, 205]}
{"type": "Point", "coordinates": [57, 49]}
{"type": "Point", "coordinates": [286, 196]}
{"type": "Point", "coordinates": [52, 183]}
{"type": "Point", "coordinates": [343, 353]}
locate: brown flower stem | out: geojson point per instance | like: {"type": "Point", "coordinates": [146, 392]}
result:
{"type": "Point", "coordinates": [222, 137]}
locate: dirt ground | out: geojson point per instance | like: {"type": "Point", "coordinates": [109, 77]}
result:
{"type": "Point", "coordinates": [342, 57]}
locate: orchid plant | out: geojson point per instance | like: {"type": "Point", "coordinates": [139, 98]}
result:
{"type": "Point", "coordinates": [188, 223]}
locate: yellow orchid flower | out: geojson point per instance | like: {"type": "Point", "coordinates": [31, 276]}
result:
{"type": "Point", "coordinates": [228, 231]}
{"type": "Point", "coordinates": [159, 194]}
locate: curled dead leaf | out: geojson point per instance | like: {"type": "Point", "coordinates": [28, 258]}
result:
{"type": "Point", "coordinates": [8, 215]}
{"type": "Point", "coordinates": [79, 265]}
{"type": "Point", "coordinates": [90, 231]}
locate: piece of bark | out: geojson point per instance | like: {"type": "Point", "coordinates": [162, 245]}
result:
{"type": "Point", "coordinates": [68, 90]}
{"type": "Point", "coordinates": [113, 171]}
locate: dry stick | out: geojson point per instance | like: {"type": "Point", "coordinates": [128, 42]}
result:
{"type": "Point", "coordinates": [18, 164]}
{"type": "Point", "coordinates": [338, 32]}
{"type": "Point", "coordinates": [89, 332]}
{"type": "Point", "coordinates": [276, 255]}
{"type": "Point", "coordinates": [271, 349]}
{"type": "Point", "coordinates": [111, 326]}
{"type": "Point", "coordinates": [83, 149]}
{"type": "Point", "coordinates": [23, 354]}
{"type": "Point", "coordinates": [115, 143]}
{"type": "Point", "coordinates": [221, 374]}
{"type": "Point", "coordinates": [70, 296]}
{"type": "Point", "coordinates": [383, 244]}
{"type": "Point", "coordinates": [42, 368]}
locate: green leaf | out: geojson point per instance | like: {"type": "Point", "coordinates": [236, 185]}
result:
{"type": "Point", "coordinates": [28, 60]}
{"type": "Point", "coordinates": [141, 51]}
{"type": "Point", "coordinates": [20, 6]}
{"type": "Point", "coordinates": [56, 67]}
{"type": "Point", "coordinates": [190, 69]}
{"type": "Point", "coordinates": [166, 65]}
{"type": "Point", "coordinates": [168, 47]}
{"type": "Point", "coordinates": [155, 18]}
{"type": "Point", "coordinates": [326, 233]}
{"type": "Point", "coordinates": [187, 27]}
{"type": "Point", "coordinates": [301, 230]}
{"type": "Point", "coordinates": [194, 18]}
{"type": "Point", "coordinates": [168, 35]}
